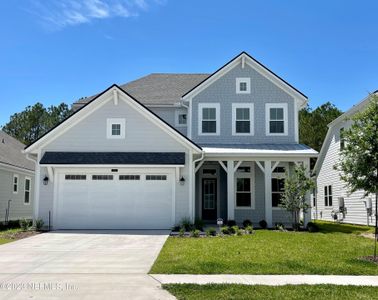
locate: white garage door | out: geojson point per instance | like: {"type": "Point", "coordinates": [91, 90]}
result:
{"type": "Point", "coordinates": [123, 200]}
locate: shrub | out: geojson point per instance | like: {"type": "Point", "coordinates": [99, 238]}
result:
{"type": "Point", "coordinates": [24, 224]}
{"type": "Point", "coordinates": [39, 224]}
{"type": "Point", "coordinates": [199, 224]}
{"type": "Point", "coordinates": [176, 228]}
{"type": "Point", "coordinates": [195, 233]}
{"type": "Point", "coordinates": [296, 226]}
{"type": "Point", "coordinates": [185, 222]}
{"type": "Point", "coordinates": [312, 227]}
{"type": "Point", "coordinates": [225, 230]}
{"type": "Point", "coordinates": [237, 230]}
{"type": "Point", "coordinates": [211, 231]}
{"type": "Point", "coordinates": [279, 226]}
{"type": "Point", "coordinates": [182, 232]}
{"type": "Point", "coordinates": [263, 224]}
{"type": "Point", "coordinates": [231, 223]}
{"type": "Point", "coordinates": [248, 229]}
{"type": "Point", "coordinates": [234, 229]}
{"type": "Point", "coordinates": [246, 223]}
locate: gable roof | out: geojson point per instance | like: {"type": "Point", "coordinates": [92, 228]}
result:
{"type": "Point", "coordinates": [81, 110]}
{"type": "Point", "coordinates": [348, 114]}
{"type": "Point", "coordinates": [157, 88]}
{"type": "Point", "coordinates": [245, 57]}
{"type": "Point", "coordinates": [11, 153]}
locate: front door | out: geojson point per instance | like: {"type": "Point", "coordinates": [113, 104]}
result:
{"type": "Point", "coordinates": [209, 199]}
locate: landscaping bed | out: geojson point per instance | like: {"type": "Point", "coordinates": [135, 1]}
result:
{"type": "Point", "coordinates": [292, 292]}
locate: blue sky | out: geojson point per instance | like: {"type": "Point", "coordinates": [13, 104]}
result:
{"type": "Point", "coordinates": [54, 51]}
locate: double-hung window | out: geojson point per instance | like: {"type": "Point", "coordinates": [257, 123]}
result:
{"type": "Point", "coordinates": [242, 119]}
{"type": "Point", "coordinates": [208, 118]}
{"type": "Point", "coordinates": [27, 190]}
{"type": "Point", "coordinates": [328, 195]}
{"type": "Point", "coordinates": [15, 184]}
{"type": "Point", "coordinates": [244, 187]}
{"type": "Point", "coordinates": [276, 118]}
{"type": "Point", "coordinates": [115, 128]}
{"type": "Point", "coordinates": [278, 185]}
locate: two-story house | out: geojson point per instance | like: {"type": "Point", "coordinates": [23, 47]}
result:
{"type": "Point", "coordinates": [333, 201]}
{"type": "Point", "coordinates": [168, 146]}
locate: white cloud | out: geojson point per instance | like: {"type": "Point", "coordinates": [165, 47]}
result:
{"type": "Point", "coordinates": [63, 13]}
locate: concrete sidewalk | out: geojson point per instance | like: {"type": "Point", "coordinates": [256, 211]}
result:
{"type": "Point", "coordinates": [273, 280]}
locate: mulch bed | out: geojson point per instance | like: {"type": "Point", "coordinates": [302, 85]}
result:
{"type": "Point", "coordinates": [370, 258]}
{"type": "Point", "coordinates": [19, 235]}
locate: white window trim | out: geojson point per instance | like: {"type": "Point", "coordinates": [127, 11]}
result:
{"type": "Point", "coordinates": [280, 176]}
{"type": "Point", "coordinates": [252, 181]}
{"type": "Point", "coordinates": [30, 187]}
{"type": "Point", "coordinates": [217, 118]}
{"type": "Point", "coordinates": [177, 114]}
{"type": "Point", "coordinates": [112, 121]}
{"type": "Point", "coordinates": [18, 182]}
{"type": "Point", "coordinates": [247, 80]}
{"type": "Point", "coordinates": [268, 106]}
{"type": "Point", "coordinates": [251, 118]}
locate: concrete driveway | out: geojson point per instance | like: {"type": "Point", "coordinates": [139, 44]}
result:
{"type": "Point", "coordinates": [82, 265]}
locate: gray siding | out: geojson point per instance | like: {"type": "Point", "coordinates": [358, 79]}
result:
{"type": "Point", "coordinates": [356, 212]}
{"type": "Point", "coordinates": [168, 114]}
{"type": "Point", "coordinates": [262, 91]}
{"type": "Point", "coordinates": [18, 209]}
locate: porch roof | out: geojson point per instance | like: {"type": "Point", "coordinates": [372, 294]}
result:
{"type": "Point", "coordinates": [259, 150]}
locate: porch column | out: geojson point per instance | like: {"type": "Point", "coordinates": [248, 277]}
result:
{"type": "Point", "coordinates": [230, 190]}
{"type": "Point", "coordinates": [268, 192]}
{"type": "Point", "coordinates": [307, 216]}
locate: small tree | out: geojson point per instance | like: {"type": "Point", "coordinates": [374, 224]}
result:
{"type": "Point", "coordinates": [294, 197]}
{"type": "Point", "coordinates": [358, 164]}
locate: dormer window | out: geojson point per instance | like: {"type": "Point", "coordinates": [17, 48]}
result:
{"type": "Point", "coordinates": [115, 128]}
{"type": "Point", "coordinates": [243, 85]}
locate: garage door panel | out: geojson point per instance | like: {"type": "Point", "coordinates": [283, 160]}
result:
{"type": "Point", "coordinates": [115, 204]}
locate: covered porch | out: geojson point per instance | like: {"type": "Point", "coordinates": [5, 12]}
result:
{"type": "Point", "coordinates": [240, 184]}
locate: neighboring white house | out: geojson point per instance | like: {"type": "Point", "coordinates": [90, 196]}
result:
{"type": "Point", "coordinates": [332, 197]}
{"type": "Point", "coordinates": [167, 146]}
{"type": "Point", "coordinates": [16, 180]}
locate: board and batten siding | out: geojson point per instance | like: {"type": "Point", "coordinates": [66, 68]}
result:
{"type": "Point", "coordinates": [142, 135]}
{"type": "Point", "coordinates": [223, 91]}
{"type": "Point", "coordinates": [18, 209]}
{"type": "Point", "coordinates": [356, 212]}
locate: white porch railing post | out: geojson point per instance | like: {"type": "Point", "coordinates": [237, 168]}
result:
{"type": "Point", "coordinates": [268, 192]}
{"type": "Point", "coordinates": [230, 190]}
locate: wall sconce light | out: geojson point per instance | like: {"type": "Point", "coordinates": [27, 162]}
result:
{"type": "Point", "coordinates": [182, 180]}
{"type": "Point", "coordinates": [45, 180]}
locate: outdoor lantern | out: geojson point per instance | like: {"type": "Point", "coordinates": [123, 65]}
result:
{"type": "Point", "coordinates": [182, 180]}
{"type": "Point", "coordinates": [45, 180]}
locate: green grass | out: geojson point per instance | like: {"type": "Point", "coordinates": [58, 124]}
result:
{"type": "Point", "coordinates": [268, 252]}
{"type": "Point", "coordinates": [292, 292]}
{"type": "Point", "coordinates": [4, 235]}
{"type": "Point", "coordinates": [331, 227]}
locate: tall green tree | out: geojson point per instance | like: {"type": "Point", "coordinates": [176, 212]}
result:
{"type": "Point", "coordinates": [358, 164]}
{"type": "Point", "coordinates": [34, 121]}
{"type": "Point", "coordinates": [313, 124]}
{"type": "Point", "coordinates": [293, 198]}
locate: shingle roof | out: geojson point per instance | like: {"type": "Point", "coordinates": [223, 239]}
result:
{"type": "Point", "coordinates": [114, 158]}
{"type": "Point", "coordinates": [11, 152]}
{"type": "Point", "coordinates": [158, 88]}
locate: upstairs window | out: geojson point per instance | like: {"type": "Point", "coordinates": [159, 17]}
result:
{"type": "Point", "coordinates": [209, 119]}
{"type": "Point", "coordinates": [115, 128]}
{"type": "Point", "coordinates": [181, 119]}
{"type": "Point", "coordinates": [342, 139]}
{"type": "Point", "coordinates": [15, 184]}
{"type": "Point", "coordinates": [242, 119]}
{"type": "Point", "coordinates": [243, 85]}
{"type": "Point", "coordinates": [276, 119]}
{"type": "Point", "coordinates": [328, 195]}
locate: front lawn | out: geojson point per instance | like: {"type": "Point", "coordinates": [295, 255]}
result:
{"type": "Point", "coordinates": [268, 252]}
{"type": "Point", "coordinates": [293, 292]}
{"type": "Point", "coordinates": [332, 227]}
